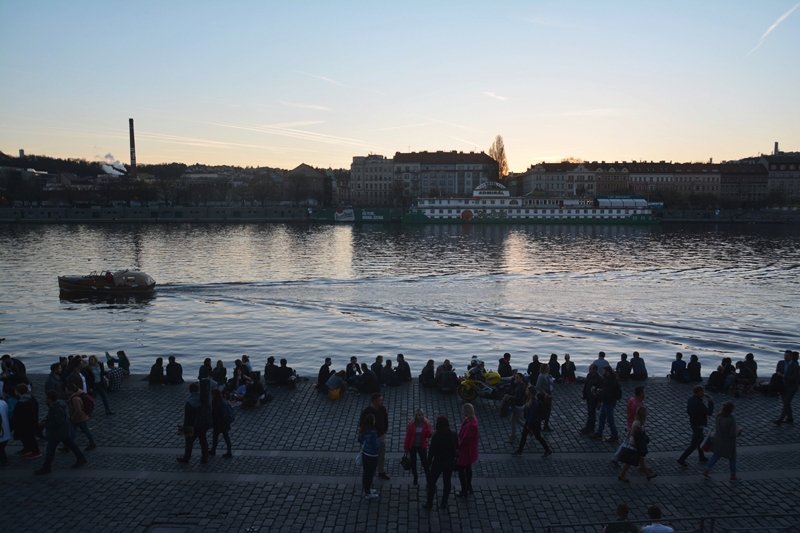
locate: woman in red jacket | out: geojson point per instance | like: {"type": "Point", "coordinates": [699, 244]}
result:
{"type": "Point", "coordinates": [467, 449]}
{"type": "Point", "coordinates": [418, 433]}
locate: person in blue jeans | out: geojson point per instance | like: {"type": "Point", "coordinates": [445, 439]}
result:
{"type": "Point", "coordinates": [369, 455]}
{"type": "Point", "coordinates": [611, 393]}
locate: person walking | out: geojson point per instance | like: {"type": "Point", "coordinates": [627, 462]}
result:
{"type": "Point", "coordinates": [699, 407]}
{"type": "Point", "coordinates": [723, 443]}
{"type": "Point", "coordinates": [544, 385]}
{"type": "Point", "coordinates": [635, 449]}
{"type": "Point", "coordinates": [370, 448]}
{"type": "Point", "coordinates": [533, 422]}
{"type": "Point", "coordinates": [468, 437]}
{"type": "Point", "coordinates": [99, 385]}
{"type": "Point", "coordinates": [196, 422]}
{"type": "Point", "coordinates": [25, 422]}
{"type": "Point", "coordinates": [442, 456]}
{"type": "Point", "coordinates": [611, 393]}
{"type": "Point", "coordinates": [514, 402]}
{"type": "Point", "coordinates": [220, 422]}
{"type": "Point", "coordinates": [78, 416]}
{"type": "Point", "coordinates": [592, 388]}
{"type": "Point", "coordinates": [58, 429]}
{"type": "Point", "coordinates": [791, 379]}
{"type": "Point", "coordinates": [418, 433]}
{"type": "Point", "coordinates": [377, 410]}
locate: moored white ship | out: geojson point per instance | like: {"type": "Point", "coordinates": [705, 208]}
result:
{"type": "Point", "coordinates": [491, 202]}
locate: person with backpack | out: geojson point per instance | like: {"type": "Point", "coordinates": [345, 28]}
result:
{"type": "Point", "coordinates": [58, 429]}
{"type": "Point", "coordinates": [222, 417]}
{"type": "Point", "coordinates": [81, 407]}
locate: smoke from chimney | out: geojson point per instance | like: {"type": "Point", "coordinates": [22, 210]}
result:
{"type": "Point", "coordinates": [133, 149]}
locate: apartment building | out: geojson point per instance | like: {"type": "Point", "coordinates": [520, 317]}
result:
{"type": "Point", "coordinates": [443, 174]}
{"type": "Point", "coordinates": [372, 181]}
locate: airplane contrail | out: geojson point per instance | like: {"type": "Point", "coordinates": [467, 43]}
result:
{"type": "Point", "coordinates": [772, 28]}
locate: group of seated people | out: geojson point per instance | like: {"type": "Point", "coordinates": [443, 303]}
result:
{"type": "Point", "coordinates": [244, 385]}
{"type": "Point", "coordinates": [362, 377]}
{"type": "Point", "coordinates": [736, 379]}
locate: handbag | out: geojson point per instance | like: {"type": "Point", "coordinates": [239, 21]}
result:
{"type": "Point", "coordinates": [359, 458]}
{"type": "Point", "coordinates": [629, 456]}
{"type": "Point", "coordinates": [707, 442]}
{"type": "Point", "coordinates": [405, 462]}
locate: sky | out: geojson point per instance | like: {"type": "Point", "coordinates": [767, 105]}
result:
{"type": "Point", "coordinates": [277, 83]}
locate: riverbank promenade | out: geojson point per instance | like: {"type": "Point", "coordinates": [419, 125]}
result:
{"type": "Point", "coordinates": [293, 470]}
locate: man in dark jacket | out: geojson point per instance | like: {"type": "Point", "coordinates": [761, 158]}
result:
{"type": "Point", "coordinates": [377, 369]}
{"type": "Point", "coordinates": [324, 374]}
{"type": "Point", "coordinates": [196, 421]}
{"type": "Point", "coordinates": [699, 407]}
{"type": "Point", "coordinates": [59, 429]}
{"type": "Point", "coordinates": [25, 421]}
{"type": "Point", "coordinates": [791, 381]}
{"type": "Point", "coordinates": [369, 381]}
{"type": "Point", "coordinates": [592, 388]}
{"type": "Point", "coordinates": [378, 410]}
{"type": "Point", "coordinates": [174, 372]}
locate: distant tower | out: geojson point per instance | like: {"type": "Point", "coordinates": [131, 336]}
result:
{"type": "Point", "coordinates": [132, 173]}
{"type": "Point", "coordinates": [21, 153]}
{"type": "Point", "coordinates": [776, 149]}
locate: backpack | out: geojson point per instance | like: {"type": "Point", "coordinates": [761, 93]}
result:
{"type": "Point", "coordinates": [88, 403]}
{"type": "Point", "coordinates": [230, 414]}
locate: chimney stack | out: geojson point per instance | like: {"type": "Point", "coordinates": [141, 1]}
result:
{"type": "Point", "coordinates": [776, 149]}
{"type": "Point", "coordinates": [132, 173]}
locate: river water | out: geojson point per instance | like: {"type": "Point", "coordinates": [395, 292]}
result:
{"type": "Point", "coordinates": [305, 292]}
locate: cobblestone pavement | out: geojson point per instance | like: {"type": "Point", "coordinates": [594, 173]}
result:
{"type": "Point", "coordinates": [293, 470]}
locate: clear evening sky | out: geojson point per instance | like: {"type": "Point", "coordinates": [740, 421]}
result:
{"type": "Point", "coordinates": [279, 83]}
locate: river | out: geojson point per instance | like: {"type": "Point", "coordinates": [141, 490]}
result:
{"type": "Point", "coordinates": [305, 292]}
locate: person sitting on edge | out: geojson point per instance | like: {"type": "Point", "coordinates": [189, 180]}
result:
{"type": "Point", "coordinates": [555, 368]}
{"type": "Point", "coordinates": [270, 371]}
{"type": "Point", "coordinates": [285, 377]}
{"type": "Point", "coordinates": [369, 381]}
{"type": "Point", "coordinates": [206, 370]}
{"type": "Point", "coordinates": [323, 375]}
{"type": "Point", "coordinates": [336, 385]}
{"type": "Point", "coordinates": [504, 366]}
{"type": "Point", "coordinates": [174, 371]}
{"type": "Point", "coordinates": [156, 376]}
{"type": "Point", "coordinates": [427, 378]}
{"type": "Point", "coordinates": [534, 367]}
{"type": "Point", "coordinates": [623, 367]}
{"type": "Point", "coordinates": [601, 363]}
{"type": "Point", "coordinates": [678, 372]}
{"type": "Point", "coordinates": [447, 380]}
{"type": "Point", "coordinates": [744, 380]}
{"type": "Point", "coordinates": [248, 366]}
{"type": "Point", "coordinates": [638, 370]}
{"type": "Point", "coordinates": [750, 363]}
{"type": "Point", "coordinates": [389, 375]}
{"type": "Point", "coordinates": [220, 374]}
{"type": "Point", "coordinates": [693, 369]}
{"type": "Point", "coordinates": [444, 367]}
{"type": "Point", "coordinates": [568, 370]}
{"type": "Point", "coordinates": [377, 368]}
{"type": "Point", "coordinates": [353, 372]}
{"type": "Point", "coordinates": [402, 369]}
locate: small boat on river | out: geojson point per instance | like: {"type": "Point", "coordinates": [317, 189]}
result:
{"type": "Point", "coordinates": [121, 282]}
